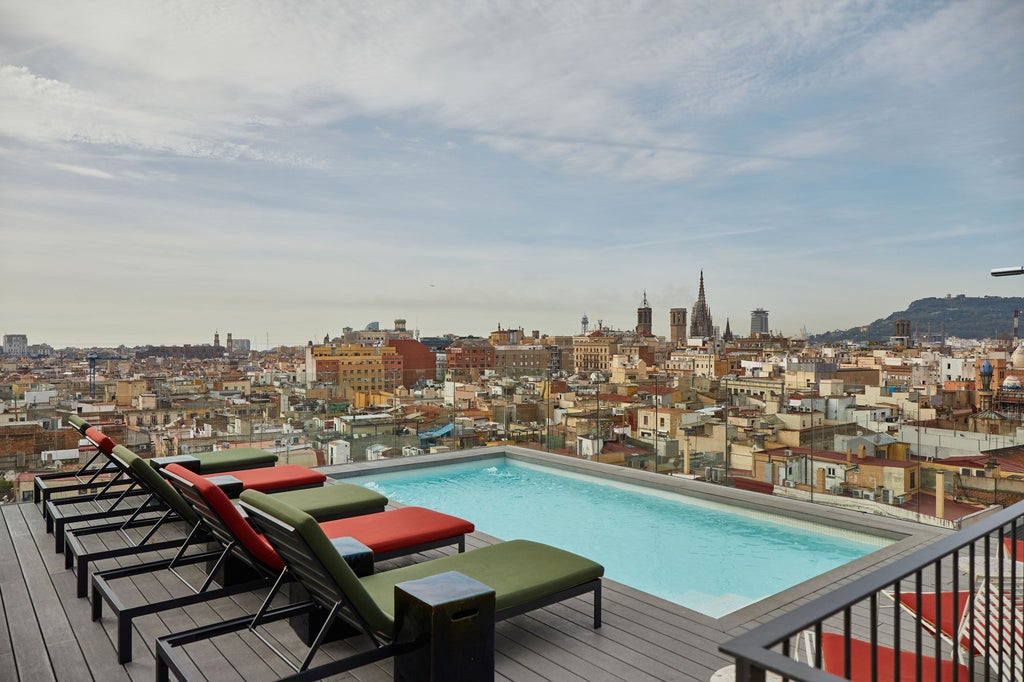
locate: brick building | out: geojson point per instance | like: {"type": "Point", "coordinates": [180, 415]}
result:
{"type": "Point", "coordinates": [473, 356]}
{"type": "Point", "coordinates": [419, 363]}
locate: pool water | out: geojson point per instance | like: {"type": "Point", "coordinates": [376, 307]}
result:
{"type": "Point", "coordinates": [706, 556]}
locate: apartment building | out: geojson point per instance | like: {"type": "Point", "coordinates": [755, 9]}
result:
{"type": "Point", "coordinates": [519, 360]}
{"type": "Point", "coordinates": [353, 368]}
{"type": "Point", "coordinates": [469, 357]}
{"type": "Point", "coordinates": [593, 352]}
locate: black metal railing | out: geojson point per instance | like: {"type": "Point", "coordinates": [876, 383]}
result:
{"type": "Point", "coordinates": [950, 611]}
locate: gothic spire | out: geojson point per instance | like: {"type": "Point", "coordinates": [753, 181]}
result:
{"type": "Point", "coordinates": [700, 320]}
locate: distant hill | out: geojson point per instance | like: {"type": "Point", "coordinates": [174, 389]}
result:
{"type": "Point", "coordinates": [967, 317]}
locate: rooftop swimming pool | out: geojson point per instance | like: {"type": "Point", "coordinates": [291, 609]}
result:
{"type": "Point", "coordinates": [707, 556]}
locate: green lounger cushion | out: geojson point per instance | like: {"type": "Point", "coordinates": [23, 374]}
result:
{"type": "Point", "coordinates": [519, 571]}
{"type": "Point", "coordinates": [234, 458]}
{"type": "Point", "coordinates": [334, 501]}
{"type": "Point", "coordinates": [79, 423]}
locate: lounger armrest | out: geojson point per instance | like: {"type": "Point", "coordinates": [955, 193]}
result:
{"type": "Point", "coordinates": [231, 486]}
{"type": "Point", "coordinates": [188, 461]}
{"type": "Point", "coordinates": [358, 555]}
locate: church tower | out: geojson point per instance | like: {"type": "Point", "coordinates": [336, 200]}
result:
{"type": "Point", "coordinates": [643, 318]}
{"type": "Point", "coordinates": [700, 320]}
{"type": "Point", "coordinates": [677, 327]}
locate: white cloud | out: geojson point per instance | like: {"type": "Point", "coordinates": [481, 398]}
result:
{"type": "Point", "coordinates": [43, 110]}
{"type": "Point", "coordinates": [959, 40]}
{"type": "Point", "coordinates": [81, 170]}
{"type": "Point", "coordinates": [215, 81]}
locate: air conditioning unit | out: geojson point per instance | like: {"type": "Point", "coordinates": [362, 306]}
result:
{"type": "Point", "coordinates": [789, 484]}
{"type": "Point", "coordinates": [887, 496]}
{"type": "Point", "coordinates": [869, 495]}
{"type": "Point", "coordinates": [836, 490]}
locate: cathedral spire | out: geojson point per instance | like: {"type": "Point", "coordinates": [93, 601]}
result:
{"type": "Point", "coordinates": [700, 320]}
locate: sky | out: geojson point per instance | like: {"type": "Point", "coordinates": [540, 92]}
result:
{"type": "Point", "coordinates": [281, 170]}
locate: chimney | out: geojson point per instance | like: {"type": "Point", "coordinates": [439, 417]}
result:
{"type": "Point", "coordinates": [862, 451]}
{"type": "Point", "coordinates": [849, 457]}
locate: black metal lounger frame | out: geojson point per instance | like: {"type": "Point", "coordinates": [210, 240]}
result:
{"type": "Point", "coordinates": [153, 502]}
{"type": "Point", "coordinates": [209, 527]}
{"type": "Point", "coordinates": [84, 478]}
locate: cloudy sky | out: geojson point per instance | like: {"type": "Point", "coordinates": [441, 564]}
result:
{"type": "Point", "coordinates": [280, 170]}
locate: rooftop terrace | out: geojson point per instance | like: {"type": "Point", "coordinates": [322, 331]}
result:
{"type": "Point", "coordinates": [47, 633]}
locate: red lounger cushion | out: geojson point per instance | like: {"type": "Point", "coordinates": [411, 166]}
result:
{"type": "Point", "coordinates": [381, 532]}
{"type": "Point", "coordinates": [398, 529]}
{"type": "Point", "coordinates": [929, 608]}
{"type": "Point", "coordinates": [100, 439]}
{"type": "Point", "coordinates": [277, 478]}
{"type": "Point", "coordinates": [1014, 548]}
{"type": "Point", "coordinates": [228, 513]}
{"type": "Point", "coordinates": [860, 652]}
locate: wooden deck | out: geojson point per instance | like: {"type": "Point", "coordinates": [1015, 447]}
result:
{"type": "Point", "coordinates": [46, 633]}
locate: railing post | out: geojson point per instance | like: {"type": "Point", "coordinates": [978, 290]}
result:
{"type": "Point", "coordinates": [748, 672]}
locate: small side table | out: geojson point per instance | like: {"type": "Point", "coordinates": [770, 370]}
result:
{"type": "Point", "coordinates": [448, 619]}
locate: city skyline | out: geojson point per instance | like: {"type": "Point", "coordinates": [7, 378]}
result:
{"type": "Point", "coordinates": [280, 172]}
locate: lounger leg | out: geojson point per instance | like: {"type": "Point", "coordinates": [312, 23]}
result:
{"type": "Point", "coordinates": [124, 637]}
{"type": "Point", "coordinates": [597, 606]}
{"type": "Point", "coordinates": [320, 636]}
{"type": "Point", "coordinates": [163, 674]}
{"type": "Point", "coordinates": [97, 604]}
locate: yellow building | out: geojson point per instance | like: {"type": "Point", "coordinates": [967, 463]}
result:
{"type": "Point", "coordinates": [593, 352]}
{"type": "Point", "coordinates": [353, 369]}
{"type": "Point", "coordinates": [128, 390]}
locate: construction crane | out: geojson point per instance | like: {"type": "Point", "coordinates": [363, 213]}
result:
{"type": "Point", "coordinates": [92, 358]}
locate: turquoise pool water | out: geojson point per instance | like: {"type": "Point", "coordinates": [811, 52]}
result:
{"type": "Point", "coordinates": [703, 555]}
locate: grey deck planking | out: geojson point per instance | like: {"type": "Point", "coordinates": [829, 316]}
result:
{"type": "Point", "coordinates": [643, 637]}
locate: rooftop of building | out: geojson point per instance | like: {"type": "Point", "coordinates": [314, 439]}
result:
{"type": "Point", "coordinates": [643, 638]}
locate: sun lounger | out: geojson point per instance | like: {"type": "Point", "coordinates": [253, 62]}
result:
{"type": "Point", "coordinates": [394, 533]}
{"type": "Point", "coordinates": [524, 576]}
{"type": "Point", "coordinates": [938, 611]}
{"type": "Point", "coordinates": [118, 486]}
{"type": "Point", "coordinates": [994, 624]}
{"type": "Point", "coordinates": [995, 604]}
{"type": "Point", "coordinates": [164, 503]}
{"type": "Point", "coordinates": [96, 472]}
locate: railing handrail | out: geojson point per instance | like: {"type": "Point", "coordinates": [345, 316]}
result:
{"type": "Point", "coordinates": [755, 644]}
